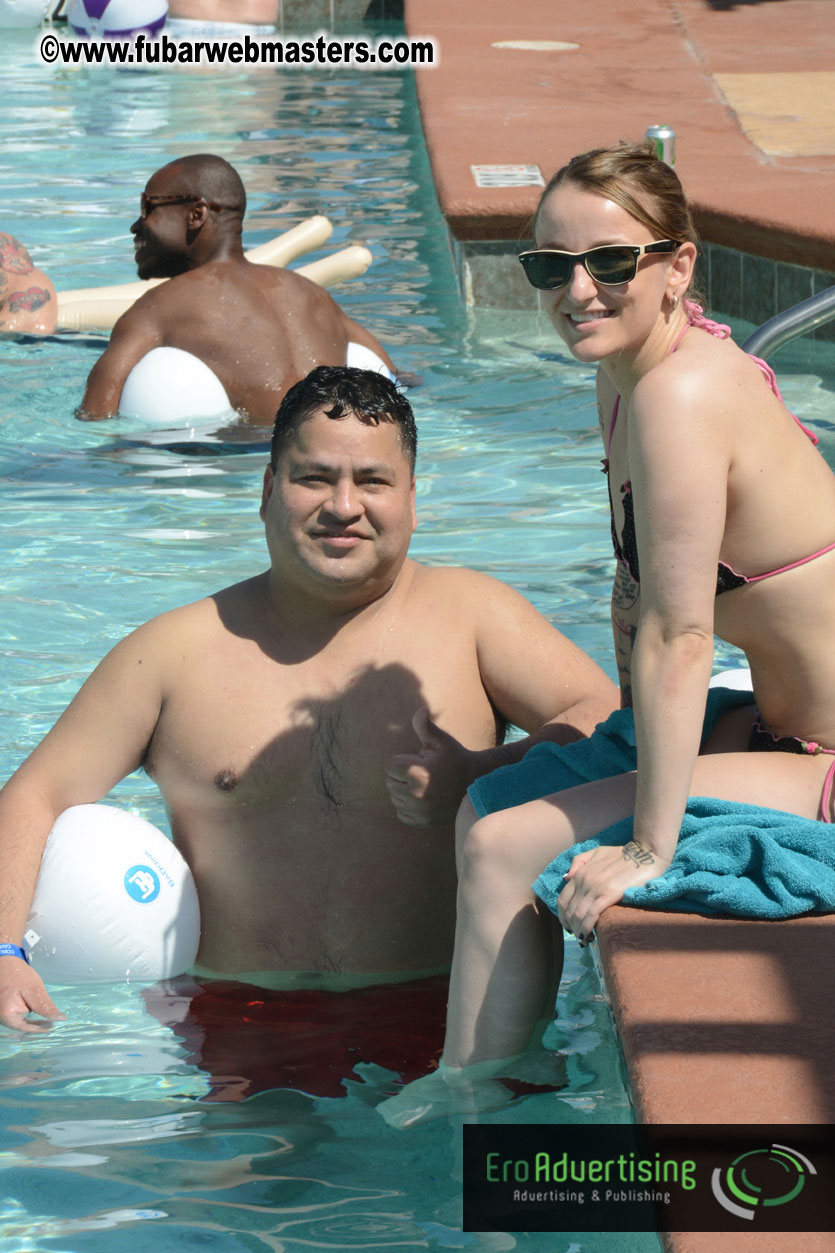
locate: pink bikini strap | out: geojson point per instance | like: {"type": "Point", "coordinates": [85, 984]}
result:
{"type": "Point", "coordinates": [696, 317]}
{"type": "Point", "coordinates": [809, 746]}
{"type": "Point", "coordinates": [771, 379]}
{"type": "Point", "coordinates": [827, 792]}
{"type": "Point", "coordinates": [681, 334]}
{"type": "Point", "coordinates": [755, 578]}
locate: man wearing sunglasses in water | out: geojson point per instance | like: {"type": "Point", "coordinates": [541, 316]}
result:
{"type": "Point", "coordinates": [258, 328]}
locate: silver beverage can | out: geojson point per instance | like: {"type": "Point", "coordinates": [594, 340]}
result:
{"type": "Point", "coordinates": [664, 138]}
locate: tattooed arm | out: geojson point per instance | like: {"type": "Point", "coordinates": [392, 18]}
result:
{"type": "Point", "coordinates": [28, 302]}
{"type": "Point", "coordinates": [626, 611]}
{"type": "Point", "coordinates": [626, 592]}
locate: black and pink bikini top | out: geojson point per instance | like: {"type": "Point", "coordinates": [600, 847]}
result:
{"type": "Point", "coordinates": [626, 548]}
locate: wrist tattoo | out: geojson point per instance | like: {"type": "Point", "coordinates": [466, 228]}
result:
{"type": "Point", "coordinates": [640, 856]}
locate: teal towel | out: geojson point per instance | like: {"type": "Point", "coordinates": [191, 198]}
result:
{"type": "Point", "coordinates": [610, 750]}
{"type": "Point", "coordinates": [735, 860]}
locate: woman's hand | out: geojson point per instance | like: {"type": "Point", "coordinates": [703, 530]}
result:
{"type": "Point", "coordinates": [599, 878]}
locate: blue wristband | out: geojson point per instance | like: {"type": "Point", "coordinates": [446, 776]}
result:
{"type": "Point", "coordinates": [13, 950]}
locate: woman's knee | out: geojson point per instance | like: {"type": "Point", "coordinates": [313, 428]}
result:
{"type": "Point", "coordinates": [483, 846]}
{"type": "Point", "coordinates": [464, 819]}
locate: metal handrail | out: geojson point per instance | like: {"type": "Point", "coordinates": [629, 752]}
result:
{"type": "Point", "coordinates": [815, 311]}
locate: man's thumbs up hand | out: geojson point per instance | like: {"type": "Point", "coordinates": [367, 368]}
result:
{"type": "Point", "coordinates": [427, 786]}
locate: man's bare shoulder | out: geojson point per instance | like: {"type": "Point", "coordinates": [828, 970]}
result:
{"type": "Point", "coordinates": [164, 637]}
{"type": "Point", "coordinates": [185, 285]}
{"type": "Point", "coordinates": [288, 283]}
{"type": "Point", "coordinates": [468, 589]}
{"type": "Point", "coordinates": [450, 577]}
{"type": "Point", "coordinates": [159, 310]}
{"type": "Point", "coordinates": [530, 670]}
{"type": "Point", "coordinates": [171, 289]}
{"type": "Point", "coordinates": [498, 615]}
{"type": "Point", "coordinates": [244, 279]}
{"type": "Point", "coordinates": [147, 313]}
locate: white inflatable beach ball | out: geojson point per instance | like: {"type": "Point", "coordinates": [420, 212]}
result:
{"type": "Point", "coordinates": [17, 14]}
{"type": "Point", "coordinates": [170, 387]}
{"type": "Point", "coordinates": [739, 680]}
{"type": "Point", "coordinates": [114, 900]}
{"type": "Point", "coordinates": [116, 19]}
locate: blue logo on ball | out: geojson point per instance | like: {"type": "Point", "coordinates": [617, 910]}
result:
{"type": "Point", "coordinates": [142, 884]}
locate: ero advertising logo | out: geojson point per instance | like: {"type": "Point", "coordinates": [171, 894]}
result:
{"type": "Point", "coordinates": [650, 1178]}
{"type": "Point", "coordinates": [761, 1177]}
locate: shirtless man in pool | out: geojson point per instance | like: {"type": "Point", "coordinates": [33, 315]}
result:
{"type": "Point", "coordinates": [296, 721]}
{"type": "Point", "coordinates": [258, 327]}
{"type": "Point", "coordinates": [28, 303]}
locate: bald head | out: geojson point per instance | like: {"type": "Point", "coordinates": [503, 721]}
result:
{"type": "Point", "coordinates": [205, 175]}
{"type": "Point", "coordinates": [192, 212]}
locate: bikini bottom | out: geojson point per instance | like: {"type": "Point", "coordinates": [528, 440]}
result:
{"type": "Point", "coordinates": [763, 741]}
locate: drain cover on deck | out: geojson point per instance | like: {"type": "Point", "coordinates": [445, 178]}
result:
{"type": "Point", "coordinates": [536, 45]}
{"type": "Point", "coordinates": [507, 176]}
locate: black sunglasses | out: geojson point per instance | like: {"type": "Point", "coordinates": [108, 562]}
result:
{"type": "Point", "coordinates": [612, 264]}
{"type": "Point", "coordinates": [147, 204]}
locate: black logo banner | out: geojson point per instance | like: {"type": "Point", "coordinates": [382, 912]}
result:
{"type": "Point", "coordinates": [616, 1177]}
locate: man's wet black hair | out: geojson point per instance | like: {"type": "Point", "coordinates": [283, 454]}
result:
{"type": "Point", "coordinates": [341, 391]}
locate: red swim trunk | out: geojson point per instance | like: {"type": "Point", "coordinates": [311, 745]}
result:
{"type": "Point", "coordinates": [251, 1039]}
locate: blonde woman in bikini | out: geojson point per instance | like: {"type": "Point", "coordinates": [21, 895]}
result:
{"type": "Point", "coordinates": [723, 521]}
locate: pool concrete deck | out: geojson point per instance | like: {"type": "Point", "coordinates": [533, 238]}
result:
{"type": "Point", "coordinates": [725, 1021]}
{"type": "Point", "coordinates": [720, 1021]}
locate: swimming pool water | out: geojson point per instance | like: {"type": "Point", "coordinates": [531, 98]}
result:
{"type": "Point", "coordinates": [107, 1140]}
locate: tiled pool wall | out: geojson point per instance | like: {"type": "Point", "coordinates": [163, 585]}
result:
{"type": "Point", "coordinates": [737, 284]}
{"type": "Point", "coordinates": [755, 288]}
